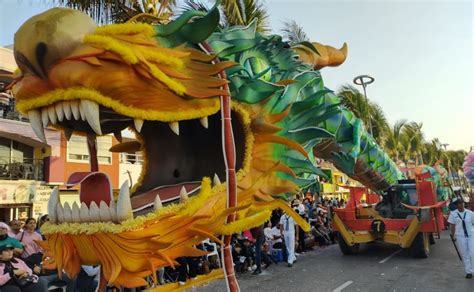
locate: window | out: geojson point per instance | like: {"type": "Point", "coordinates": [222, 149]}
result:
{"type": "Point", "coordinates": [77, 150]}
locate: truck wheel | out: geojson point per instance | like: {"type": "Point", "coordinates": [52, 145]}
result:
{"type": "Point", "coordinates": [420, 247]}
{"type": "Point", "coordinates": [345, 248]}
{"type": "Point", "coordinates": [432, 239]}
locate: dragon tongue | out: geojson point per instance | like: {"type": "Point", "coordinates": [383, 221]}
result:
{"type": "Point", "coordinates": [94, 187]}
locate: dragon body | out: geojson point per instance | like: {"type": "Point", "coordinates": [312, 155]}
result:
{"type": "Point", "coordinates": [160, 82]}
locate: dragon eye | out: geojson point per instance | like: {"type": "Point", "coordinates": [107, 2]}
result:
{"type": "Point", "coordinates": [258, 67]}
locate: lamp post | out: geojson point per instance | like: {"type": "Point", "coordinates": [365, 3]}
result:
{"type": "Point", "coordinates": [365, 80]}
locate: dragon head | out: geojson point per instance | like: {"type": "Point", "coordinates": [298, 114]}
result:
{"type": "Point", "coordinates": [157, 81]}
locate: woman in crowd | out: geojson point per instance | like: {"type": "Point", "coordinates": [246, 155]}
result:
{"type": "Point", "coordinates": [5, 239]}
{"type": "Point", "coordinates": [41, 220]}
{"type": "Point", "coordinates": [32, 253]}
{"type": "Point", "coordinates": [15, 275]}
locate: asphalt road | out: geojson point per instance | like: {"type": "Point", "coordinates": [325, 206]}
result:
{"type": "Point", "coordinates": [378, 267]}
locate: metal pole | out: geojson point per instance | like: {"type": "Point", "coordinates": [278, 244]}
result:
{"type": "Point", "coordinates": [365, 80]}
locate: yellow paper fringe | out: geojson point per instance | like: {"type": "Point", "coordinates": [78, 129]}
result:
{"type": "Point", "coordinates": [201, 280]}
{"type": "Point", "coordinates": [86, 93]}
{"type": "Point", "coordinates": [245, 223]}
{"type": "Point", "coordinates": [249, 138]}
{"type": "Point", "coordinates": [126, 28]}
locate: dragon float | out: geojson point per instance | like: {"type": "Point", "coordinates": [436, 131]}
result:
{"type": "Point", "coordinates": [198, 98]}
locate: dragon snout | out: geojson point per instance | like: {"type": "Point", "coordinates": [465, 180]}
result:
{"type": "Point", "coordinates": [49, 37]}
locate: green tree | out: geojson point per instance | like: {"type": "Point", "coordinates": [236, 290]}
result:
{"type": "Point", "coordinates": [394, 140]}
{"type": "Point", "coordinates": [243, 12]}
{"type": "Point", "coordinates": [118, 11]}
{"type": "Point", "coordinates": [369, 112]}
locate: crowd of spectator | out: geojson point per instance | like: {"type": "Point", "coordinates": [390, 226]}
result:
{"type": "Point", "coordinates": [279, 239]}
{"type": "Point", "coordinates": [282, 239]}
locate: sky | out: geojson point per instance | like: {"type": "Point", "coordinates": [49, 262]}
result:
{"type": "Point", "coordinates": [419, 52]}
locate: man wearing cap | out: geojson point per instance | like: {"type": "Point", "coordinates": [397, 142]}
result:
{"type": "Point", "coordinates": [461, 221]}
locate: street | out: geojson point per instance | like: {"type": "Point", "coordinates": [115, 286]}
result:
{"type": "Point", "coordinates": [378, 267]}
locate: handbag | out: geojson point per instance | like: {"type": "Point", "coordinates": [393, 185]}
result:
{"type": "Point", "coordinates": [25, 281]}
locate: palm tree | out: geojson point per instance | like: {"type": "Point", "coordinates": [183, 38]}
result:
{"type": "Point", "coordinates": [294, 33]}
{"type": "Point", "coordinates": [113, 11]}
{"type": "Point", "coordinates": [412, 138]}
{"type": "Point", "coordinates": [379, 123]}
{"type": "Point", "coordinates": [394, 140]}
{"type": "Point", "coordinates": [369, 112]}
{"type": "Point", "coordinates": [243, 12]}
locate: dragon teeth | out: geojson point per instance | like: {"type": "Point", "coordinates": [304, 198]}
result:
{"type": "Point", "coordinates": [124, 205]}
{"type": "Point", "coordinates": [138, 124]}
{"type": "Point", "coordinates": [67, 212]}
{"type": "Point", "coordinates": [183, 195]}
{"type": "Point", "coordinates": [59, 111]}
{"type": "Point", "coordinates": [91, 112]}
{"type": "Point", "coordinates": [104, 212]}
{"type": "Point", "coordinates": [94, 212]}
{"type": "Point", "coordinates": [76, 213]}
{"type": "Point", "coordinates": [52, 204]}
{"type": "Point", "coordinates": [216, 181]}
{"type": "Point", "coordinates": [157, 205]}
{"type": "Point", "coordinates": [84, 110]}
{"type": "Point", "coordinates": [36, 124]}
{"type": "Point", "coordinates": [84, 213]}
{"type": "Point", "coordinates": [75, 109]}
{"type": "Point", "coordinates": [204, 122]}
{"type": "Point", "coordinates": [174, 126]}
{"type": "Point", "coordinates": [52, 114]}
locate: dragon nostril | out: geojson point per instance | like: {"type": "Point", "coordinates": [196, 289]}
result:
{"type": "Point", "coordinates": [176, 173]}
{"type": "Point", "coordinates": [41, 51]}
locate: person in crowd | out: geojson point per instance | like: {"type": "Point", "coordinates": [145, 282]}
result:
{"type": "Point", "coordinates": [15, 226]}
{"type": "Point", "coordinates": [300, 209]}
{"type": "Point", "coordinates": [277, 237]}
{"type": "Point", "coordinates": [41, 220]}
{"type": "Point", "coordinates": [15, 275]}
{"type": "Point", "coordinates": [267, 231]}
{"type": "Point", "coordinates": [257, 233]}
{"type": "Point", "coordinates": [187, 269]}
{"type": "Point", "coordinates": [239, 258]}
{"type": "Point", "coordinates": [5, 239]}
{"type": "Point", "coordinates": [288, 230]}
{"type": "Point", "coordinates": [88, 278]}
{"type": "Point", "coordinates": [461, 223]}
{"type": "Point", "coordinates": [32, 253]}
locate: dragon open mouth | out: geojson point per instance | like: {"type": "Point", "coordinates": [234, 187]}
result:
{"type": "Point", "coordinates": [178, 155]}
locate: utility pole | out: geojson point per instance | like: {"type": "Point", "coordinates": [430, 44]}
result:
{"type": "Point", "coordinates": [365, 80]}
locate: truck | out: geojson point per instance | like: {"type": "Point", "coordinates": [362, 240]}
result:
{"type": "Point", "coordinates": [408, 214]}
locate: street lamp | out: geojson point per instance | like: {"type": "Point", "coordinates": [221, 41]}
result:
{"type": "Point", "coordinates": [365, 80]}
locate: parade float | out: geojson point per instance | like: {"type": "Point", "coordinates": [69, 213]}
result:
{"type": "Point", "coordinates": [468, 168]}
{"type": "Point", "coordinates": [228, 120]}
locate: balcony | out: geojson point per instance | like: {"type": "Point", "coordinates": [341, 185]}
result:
{"type": "Point", "coordinates": [25, 169]}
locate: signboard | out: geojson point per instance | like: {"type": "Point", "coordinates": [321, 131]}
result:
{"type": "Point", "coordinates": [26, 192]}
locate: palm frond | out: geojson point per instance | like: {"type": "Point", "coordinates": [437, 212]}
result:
{"type": "Point", "coordinates": [294, 33]}
{"type": "Point", "coordinates": [117, 11]}
{"type": "Point", "coordinates": [243, 12]}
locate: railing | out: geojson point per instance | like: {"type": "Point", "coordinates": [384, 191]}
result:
{"type": "Point", "coordinates": [7, 108]}
{"type": "Point", "coordinates": [28, 168]}
{"type": "Point", "coordinates": [131, 158]}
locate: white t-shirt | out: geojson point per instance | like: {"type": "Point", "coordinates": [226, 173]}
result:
{"type": "Point", "coordinates": [288, 224]}
{"type": "Point", "coordinates": [301, 209]}
{"type": "Point", "coordinates": [455, 217]}
{"type": "Point", "coordinates": [275, 233]}
{"type": "Point", "coordinates": [267, 231]}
